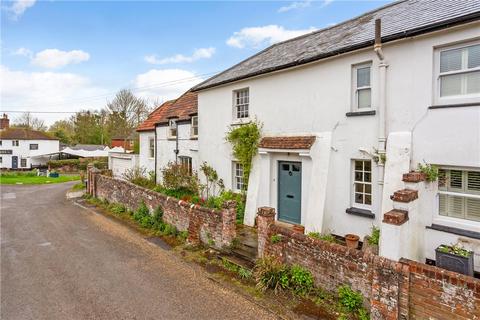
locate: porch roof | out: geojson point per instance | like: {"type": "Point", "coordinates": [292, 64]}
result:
{"type": "Point", "coordinates": [290, 142]}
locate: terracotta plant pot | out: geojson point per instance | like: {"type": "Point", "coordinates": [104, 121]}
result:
{"type": "Point", "coordinates": [298, 228]}
{"type": "Point", "coordinates": [352, 240]}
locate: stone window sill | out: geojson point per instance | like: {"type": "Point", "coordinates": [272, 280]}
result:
{"type": "Point", "coordinates": [360, 212]}
{"type": "Point", "coordinates": [361, 113]}
{"type": "Point", "coordinates": [455, 105]}
{"type": "Point", "coordinates": [453, 230]}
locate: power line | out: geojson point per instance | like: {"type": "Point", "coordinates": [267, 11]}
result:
{"type": "Point", "coordinates": [134, 89]}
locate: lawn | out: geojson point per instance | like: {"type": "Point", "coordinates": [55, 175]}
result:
{"type": "Point", "coordinates": [26, 178]}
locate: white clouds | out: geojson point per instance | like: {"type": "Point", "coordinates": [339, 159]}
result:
{"type": "Point", "coordinates": [302, 4]}
{"type": "Point", "coordinates": [19, 6]}
{"type": "Point", "coordinates": [295, 5]}
{"type": "Point", "coordinates": [202, 53]}
{"type": "Point", "coordinates": [52, 91]}
{"type": "Point", "coordinates": [23, 52]}
{"type": "Point", "coordinates": [54, 58]}
{"type": "Point", "coordinates": [164, 84]}
{"type": "Point", "coordinates": [257, 36]}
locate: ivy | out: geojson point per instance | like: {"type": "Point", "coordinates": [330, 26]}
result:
{"type": "Point", "coordinates": [245, 140]}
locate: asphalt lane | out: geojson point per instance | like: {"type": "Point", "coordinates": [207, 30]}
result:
{"type": "Point", "coordinates": [59, 261]}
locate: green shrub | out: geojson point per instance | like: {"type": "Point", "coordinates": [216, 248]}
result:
{"type": "Point", "coordinates": [117, 208]}
{"type": "Point", "coordinates": [141, 212]}
{"type": "Point", "coordinates": [374, 236]}
{"type": "Point", "coordinates": [363, 314]}
{"type": "Point", "coordinates": [139, 176]}
{"type": "Point", "coordinates": [325, 237]}
{"type": "Point", "coordinates": [170, 230]}
{"type": "Point", "coordinates": [183, 235]}
{"type": "Point", "coordinates": [177, 177]}
{"type": "Point", "coordinates": [270, 274]}
{"type": "Point", "coordinates": [244, 273]}
{"type": "Point", "coordinates": [229, 266]}
{"type": "Point", "coordinates": [430, 171]}
{"type": "Point", "coordinates": [351, 300]}
{"type": "Point", "coordinates": [301, 280]}
{"type": "Point", "coordinates": [276, 238]}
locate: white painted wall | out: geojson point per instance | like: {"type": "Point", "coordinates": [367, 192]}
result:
{"type": "Point", "coordinates": [315, 98]}
{"type": "Point", "coordinates": [23, 151]}
{"type": "Point", "coordinates": [187, 146]}
{"type": "Point", "coordinates": [145, 161]}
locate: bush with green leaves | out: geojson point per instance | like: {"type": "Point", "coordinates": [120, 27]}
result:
{"type": "Point", "coordinates": [117, 208]}
{"type": "Point", "coordinates": [244, 140]}
{"type": "Point", "coordinates": [301, 280]}
{"type": "Point", "coordinates": [374, 237]}
{"type": "Point", "coordinates": [212, 180]}
{"type": "Point", "coordinates": [351, 300]}
{"type": "Point", "coordinates": [430, 171]}
{"type": "Point", "coordinates": [177, 177]}
{"type": "Point", "coordinates": [325, 237]}
{"type": "Point", "coordinates": [270, 274]}
{"type": "Point", "coordinates": [276, 238]}
{"type": "Point", "coordinates": [140, 177]}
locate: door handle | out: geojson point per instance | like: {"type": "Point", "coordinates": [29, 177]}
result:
{"type": "Point", "coordinates": [290, 196]}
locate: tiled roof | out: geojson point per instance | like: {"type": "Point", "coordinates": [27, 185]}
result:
{"type": "Point", "coordinates": [295, 142]}
{"type": "Point", "coordinates": [24, 134]}
{"type": "Point", "coordinates": [154, 117]}
{"type": "Point", "coordinates": [400, 19]}
{"type": "Point", "coordinates": [181, 109]}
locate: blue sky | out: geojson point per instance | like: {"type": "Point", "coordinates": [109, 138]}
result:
{"type": "Point", "coordinates": [67, 56]}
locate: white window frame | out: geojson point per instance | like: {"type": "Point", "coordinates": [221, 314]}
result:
{"type": "Point", "coordinates": [454, 192]}
{"type": "Point", "coordinates": [437, 76]}
{"type": "Point", "coordinates": [193, 127]}
{"type": "Point", "coordinates": [151, 148]}
{"type": "Point", "coordinates": [237, 105]}
{"type": "Point", "coordinates": [26, 163]}
{"type": "Point", "coordinates": [33, 144]}
{"type": "Point", "coordinates": [15, 143]}
{"type": "Point", "coordinates": [237, 180]}
{"type": "Point", "coordinates": [171, 123]}
{"type": "Point", "coordinates": [355, 89]}
{"type": "Point", "coordinates": [354, 204]}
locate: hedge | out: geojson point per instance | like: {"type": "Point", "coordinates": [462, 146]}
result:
{"type": "Point", "coordinates": [80, 164]}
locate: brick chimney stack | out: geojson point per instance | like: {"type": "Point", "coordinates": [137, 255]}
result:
{"type": "Point", "coordinates": [4, 122]}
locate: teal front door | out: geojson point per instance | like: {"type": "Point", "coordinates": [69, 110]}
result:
{"type": "Point", "coordinates": [289, 191]}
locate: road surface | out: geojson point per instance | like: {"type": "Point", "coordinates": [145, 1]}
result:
{"type": "Point", "coordinates": [59, 261]}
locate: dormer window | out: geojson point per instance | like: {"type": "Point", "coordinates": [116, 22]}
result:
{"type": "Point", "coordinates": [241, 101]}
{"type": "Point", "coordinates": [172, 128]}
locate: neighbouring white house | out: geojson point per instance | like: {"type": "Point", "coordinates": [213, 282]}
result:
{"type": "Point", "coordinates": [346, 111]}
{"type": "Point", "coordinates": [22, 148]}
{"type": "Point", "coordinates": [169, 134]}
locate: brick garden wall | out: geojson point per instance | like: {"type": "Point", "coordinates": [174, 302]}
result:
{"type": "Point", "coordinates": [392, 290]}
{"type": "Point", "coordinates": [203, 224]}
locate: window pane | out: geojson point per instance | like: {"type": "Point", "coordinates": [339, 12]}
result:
{"type": "Point", "coordinates": [368, 165]}
{"type": "Point", "coordinates": [295, 167]}
{"type": "Point", "coordinates": [368, 199]}
{"type": "Point", "coordinates": [451, 60]}
{"type": "Point", "coordinates": [473, 209]}
{"type": "Point", "coordinates": [474, 56]}
{"type": "Point", "coordinates": [358, 187]}
{"type": "Point", "coordinates": [285, 167]}
{"type": "Point", "coordinates": [359, 165]}
{"type": "Point", "coordinates": [456, 179]}
{"type": "Point", "coordinates": [358, 176]}
{"type": "Point", "coordinates": [359, 198]}
{"type": "Point", "coordinates": [473, 180]}
{"type": "Point", "coordinates": [364, 98]}
{"type": "Point", "coordinates": [363, 77]}
{"type": "Point", "coordinates": [368, 188]}
{"type": "Point", "coordinates": [368, 177]}
{"type": "Point", "coordinates": [473, 82]}
{"type": "Point", "coordinates": [442, 177]}
{"type": "Point", "coordinates": [451, 85]}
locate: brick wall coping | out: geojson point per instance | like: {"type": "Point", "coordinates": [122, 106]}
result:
{"type": "Point", "coordinates": [181, 203]}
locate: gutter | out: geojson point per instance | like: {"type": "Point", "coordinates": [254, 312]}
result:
{"type": "Point", "coordinates": [397, 36]}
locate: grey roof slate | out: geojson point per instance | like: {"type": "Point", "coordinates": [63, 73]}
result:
{"type": "Point", "coordinates": [399, 19]}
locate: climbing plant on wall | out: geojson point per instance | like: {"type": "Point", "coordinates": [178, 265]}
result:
{"type": "Point", "coordinates": [245, 139]}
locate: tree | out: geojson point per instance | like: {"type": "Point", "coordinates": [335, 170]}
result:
{"type": "Point", "coordinates": [27, 121]}
{"type": "Point", "coordinates": [63, 130]}
{"type": "Point", "coordinates": [89, 127]}
{"type": "Point", "coordinates": [126, 113]}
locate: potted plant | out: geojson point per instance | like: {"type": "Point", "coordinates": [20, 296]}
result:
{"type": "Point", "coordinates": [352, 240]}
{"type": "Point", "coordinates": [454, 258]}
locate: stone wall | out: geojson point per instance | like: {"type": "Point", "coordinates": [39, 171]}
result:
{"type": "Point", "coordinates": [208, 226]}
{"type": "Point", "coordinates": [392, 290]}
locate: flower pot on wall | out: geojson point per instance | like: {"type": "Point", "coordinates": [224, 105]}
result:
{"type": "Point", "coordinates": [446, 258]}
{"type": "Point", "coordinates": [352, 240]}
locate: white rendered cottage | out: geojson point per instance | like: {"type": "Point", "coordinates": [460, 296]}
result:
{"type": "Point", "coordinates": [170, 134]}
{"type": "Point", "coordinates": [22, 148]}
{"type": "Point", "coordinates": [334, 106]}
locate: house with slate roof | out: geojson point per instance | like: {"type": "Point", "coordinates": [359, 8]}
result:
{"type": "Point", "coordinates": [22, 148]}
{"type": "Point", "coordinates": [347, 112]}
{"type": "Point", "coordinates": [170, 134]}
